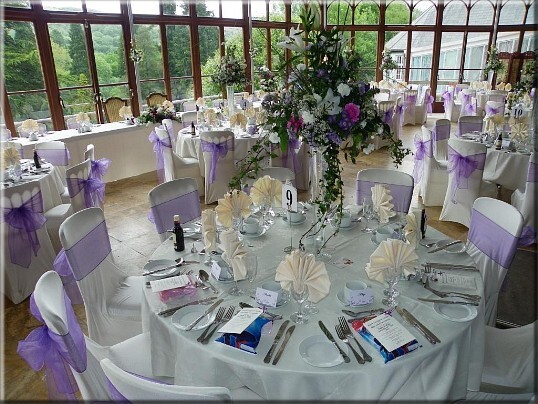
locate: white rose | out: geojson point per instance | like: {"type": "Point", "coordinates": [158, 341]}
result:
{"type": "Point", "coordinates": [369, 149]}
{"type": "Point", "coordinates": [343, 89]}
{"type": "Point", "coordinates": [301, 67]}
{"type": "Point", "coordinates": [307, 117]}
{"type": "Point", "coordinates": [274, 138]}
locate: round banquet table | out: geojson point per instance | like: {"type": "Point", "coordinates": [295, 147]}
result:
{"type": "Point", "coordinates": [432, 372]}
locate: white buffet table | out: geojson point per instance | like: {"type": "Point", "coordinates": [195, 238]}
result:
{"type": "Point", "coordinates": [127, 147]}
{"type": "Point", "coordinates": [433, 372]}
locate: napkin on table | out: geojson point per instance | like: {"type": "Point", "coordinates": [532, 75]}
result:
{"type": "Point", "coordinates": [266, 188]}
{"type": "Point", "coordinates": [209, 226]}
{"type": "Point", "coordinates": [30, 125]}
{"type": "Point", "coordinates": [299, 270]}
{"type": "Point", "coordinates": [234, 204]}
{"type": "Point", "coordinates": [238, 119]}
{"type": "Point", "coordinates": [233, 254]}
{"type": "Point", "coordinates": [200, 101]}
{"type": "Point", "coordinates": [508, 87]}
{"type": "Point", "coordinates": [210, 116]}
{"type": "Point", "coordinates": [388, 255]}
{"type": "Point", "coordinates": [381, 201]}
{"type": "Point", "coordinates": [412, 229]}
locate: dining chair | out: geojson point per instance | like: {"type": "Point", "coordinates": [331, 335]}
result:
{"type": "Point", "coordinates": [173, 127]}
{"type": "Point", "coordinates": [98, 167]}
{"type": "Point", "coordinates": [216, 102]}
{"type": "Point", "coordinates": [282, 174]}
{"type": "Point", "coordinates": [112, 300]}
{"type": "Point", "coordinates": [388, 114]}
{"type": "Point", "coordinates": [440, 135]}
{"type": "Point", "coordinates": [382, 96]}
{"type": "Point", "coordinates": [56, 153]}
{"type": "Point", "coordinates": [189, 105]}
{"type": "Point", "coordinates": [189, 117]}
{"type": "Point", "coordinates": [468, 103]}
{"type": "Point", "coordinates": [176, 197]}
{"type": "Point", "coordinates": [112, 107]}
{"type": "Point", "coordinates": [72, 123]}
{"type": "Point", "coordinates": [494, 231]}
{"type": "Point", "coordinates": [84, 191]}
{"type": "Point", "coordinates": [219, 167]}
{"type": "Point", "coordinates": [80, 355]}
{"type": "Point", "coordinates": [28, 251]}
{"type": "Point", "coordinates": [5, 134]}
{"type": "Point", "coordinates": [467, 124]}
{"type": "Point", "coordinates": [409, 103]}
{"type": "Point", "coordinates": [423, 107]}
{"type": "Point", "coordinates": [155, 99]}
{"type": "Point", "coordinates": [465, 168]}
{"type": "Point", "coordinates": [399, 183]}
{"type": "Point", "coordinates": [452, 110]}
{"type": "Point", "coordinates": [289, 159]}
{"type": "Point", "coordinates": [429, 172]}
{"type": "Point", "coordinates": [525, 202]}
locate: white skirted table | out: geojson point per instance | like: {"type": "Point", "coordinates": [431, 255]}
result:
{"type": "Point", "coordinates": [433, 372]}
{"type": "Point", "coordinates": [508, 169]}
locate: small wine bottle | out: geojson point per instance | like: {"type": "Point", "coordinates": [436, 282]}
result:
{"type": "Point", "coordinates": [499, 142]}
{"type": "Point", "coordinates": [193, 129]}
{"type": "Point", "coordinates": [37, 163]}
{"type": "Point", "coordinates": [423, 223]}
{"type": "Point", "coordinates": [179, 238]}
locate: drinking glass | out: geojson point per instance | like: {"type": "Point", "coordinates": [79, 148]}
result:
{"type": "Point", "coordinates": [368, 213]}
{"type": "Point", "coordinates": [310, 307]}
{"type": "Point", "coordinates": [251, 262]}
{"type": "Point", "coordinates": [300, 295]}
{"type": "Point", "coordinates": [266, 210]}
{"type": "Point", "coordinates": [391, 293]}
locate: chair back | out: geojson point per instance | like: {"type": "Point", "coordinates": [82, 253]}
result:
{"type": "Point", "coordinates": [434, 179]}
{"type": "Point", "coordinates": [468, 124]}
{"type": "Point", "coordinates": [155, 99]}
{"type": "Point", "coordinates": [54, 152]}
{"type": "Point", "coordinates": [166, 153]}
{"type": "Point", "coordinates": [381, 96]}
{"type": "Point", "coordinates": [216, 102]}
{"type": "Point", "coordinates": [124, 386]}
{"type": "Point", "coordinates": [189, 106]}
{"type": "Point", "coordinates": [528, 206]}
{"type": "Point", "coordinates": [5, 134]}
{"type": "Point", "coordinates": [112, 108]}
{"type": "Point", "coordinates": [172, 126]}
{"type": "Point", "coordinates": [72, 123]}
{"type": "Point", "coordinates": [290, 158]}
{"type": "Point", "coordinates": [497, 96]}
{"type": "Point", "coordinates": [89, 153]}
{"type": "Point", "coordinates": [494, 230]}
{"type": "Point", "coordinates": [440, 136]}
{"type": "Point", "coordinates": [189, 117]}
{"type": "Point", "coordinates": [399, 183]}
{"type": "Point", "coordinates": [177, 197]}
{"type": "Point", "coordinates": [410, 98]}
{"type": "Point", "coordinates": [218, 152]}
{"type": "Point", "coordinates": [465, 168]}
{"type": "Point", "coordinates": [84, 191]}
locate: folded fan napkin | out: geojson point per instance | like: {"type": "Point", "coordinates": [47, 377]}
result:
{"type": "Point", "coordinates": [238, 119]}
{"type": "Point", "coordinates": [125, 112]}
{"type": "Point", "coordinates": [10, 156]}
{"type": "Point", "coordinates": [266, 189]}
{"type": "Point", "coordinates": [381, 201]}
{"type": "Point", "coordinates": [200, 101]}
{"type": "Point", "coordinates": [508, 87]}
{"type": "Point", "coordinates": [209, 226]}
{"type": "Point", "coordinates": [233, 254]}
{"type": "Point", "coordinates": [412, 229]}
{"type": "Point", "coordinates": [500, 86]}
{"type": "Point", "coordinates": [30, 125]}
{"type": "Point", "coordinates": [519, 132]}
{"type": "Point", "coordinates": [82, 117]}
{"type": "Point", "coordinates": [250, 113]}
{"type": "Point", "coordinates": [234, 204]}
{"type": "Point", "coordinates": [249, 339]}
{"type": "Point", "coordinates": [391, 254]}
{"type": "Point", "coordinates": [299, 270]}
{"type": "Point", "coordinates": [210, 116]}
{"type": "Point", "coordinates": [261, 117]}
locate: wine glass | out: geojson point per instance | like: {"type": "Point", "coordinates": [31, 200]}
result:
{"type": "Point", "coordinates": [368, 213]}
{"type": "Point", "coordinates": [251, 262]}
{"type": "Point", "coordinates": [266, 209]}
{"type": "Point", "coordinates": [391, 293]}
{"type": "Point", "coordinates": [299, 294]}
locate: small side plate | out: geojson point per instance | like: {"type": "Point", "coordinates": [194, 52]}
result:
{"type": "Point", "coordinates": [185, 316]}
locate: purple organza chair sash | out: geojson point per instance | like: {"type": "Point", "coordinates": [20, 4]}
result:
{"type": "Point", "coordinates": [462, 167]}
{"type": "Point", "coordinates": [94, 190]}
{"type": "Point", "coordinates": [490, 111]}
{"type": "Point", "coordinates": [401, 194]}
{"type": "Point", "coordinates": [428, 101]}
{"type": "Point", "coordinates": [43, 347]}
{"type": "Point", "coordinates": [23, 222]}
{"type": "Point", "coordinates": [492, 239]}
{"type": "Point", "coordinates": [528, 236]}
{"type": "Point", "coordinates": [89, 251]}
{"type": "Point", "coordinates": [465, 99]}
{"type": "Point", "coordinates": [422, 149]}
{"type": "Point", "coordinates": [289, 157]}
{"type": "Point", "coordinates": [467, 127]}
{"type": "Point", "coordinates": [440, 132]}
{"type": "Point", "coordinates": [388, 116]}
{"type": "Point", "coordinates": [158, 145]}
{"type": "Point", "coordinates": [99, 168]}
{"type": "Point", "coordinates": [532, 173]}
{"type": "Point", "coordinates": [448, 97]}
{"type": "Point", "coordinates": [410, 100]}
{"type": "Point", "coordinates": [62, 268]}
{"type": "Point", "coordinates": [114, 394]}
{"type": "Point", "coordinates": [217, 151]}
{"type": "Point", "coordinates": [186, 206]}
{"type": "Point", "coordinates": [398, 114]}
{"type": "Point", "coordinates": [457, 90]}
{"type": "Point", "coordinates": [57, 157]}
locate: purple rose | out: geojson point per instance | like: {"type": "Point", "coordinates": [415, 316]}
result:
{"type": "Point", "coordinates": [352, 111]}
{"type": "Point", "coordinates": [333, 137]}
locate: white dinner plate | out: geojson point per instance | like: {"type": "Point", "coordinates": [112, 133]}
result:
{"type": "Point", "coordinates": [453, 249]}
{"type": "Point", "coordinates": [260, 233]}
{"type": "Point", "coordinates": [185, 316]}
{"type": "Point", "coordinates": [455, 312]}
{"type": "Point", "coordinates": [318, 351]}
{"type": "Point", "coordinates": [285, 218]}
{"type": "Point", "coordinates": [156, 264]}
{"type": "Point", "coordinates": [340, 297]}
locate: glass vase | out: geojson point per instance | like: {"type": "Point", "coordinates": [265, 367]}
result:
{"type": "Point", "coordinates": [230, 96]}
{"type": "Point", "coordinates": [317, 169]}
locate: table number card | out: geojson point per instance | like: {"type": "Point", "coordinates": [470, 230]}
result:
{"type": "Point", "coordinates": [216, 270]}
{"type": "Point", "coordinates": [266, 297]}
{"type": "Point", "coordinates": [360, 297]}
{"type": "Point", "coordinates": [289, 197]}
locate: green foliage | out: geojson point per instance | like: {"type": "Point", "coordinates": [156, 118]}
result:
{"type": "Point", "coordinates": [77, 50]}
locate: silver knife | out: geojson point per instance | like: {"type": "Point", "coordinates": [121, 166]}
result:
{"type": "Point", "coordinates": [209, 310]}
{"type": "Point", "coordinates": [361, 314]}
{"type": "Point", "coordinates": [168, 312]}
{"type": "Point", "coordinates": [445, 246]}
{"type": "Point", "coordinates": [165, 268]}
{"type": "Point", "coordinates": [421, 326]}
{"type": "Point", "coordinates": [286, 338]}
{"type": "Point", "coordinates": [410, 321]}
{"type": "Point", "coordinates": [440, 265]}
{"type": "Point", "coordinates": [331, 338]}
{"type": "Point", "coordinates": [267, 358]}
{"type": "Point", "coordinates": [447, 301]}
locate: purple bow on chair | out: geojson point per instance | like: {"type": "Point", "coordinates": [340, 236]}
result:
{"type": "Point", "coordinates": [470, 109]}
{"type": "Point", "coordinates": [388, 116]}
{"type": "Point", "coordinates": [23, 223]}
{"type": "Point", "coordinates": [490, 111]}
{"type": "Point", "coordinates": [99, 168]}
{"type": "Point", "coordinates": [465, 98]}
{"type": "Point", "coordinates": [463, 167]}
{"type": "Point", "coordinates": [43, 347]}
{"type": "Point", "coordinates": [158, 145]}
{"type": "Point", "coordinates": [423, 149]}
{"type": "Point", "coordinates": [289, 156]}
{"type": "Point", "coordinates": [428, 100]}
{"type": "Point", "coordinates": [398, 114]}
{"type": "Point", "coordinates": [448, 96]}
{"type": "Point", "coordinates": [410, 100]}
{"type": "Point", "coordinates": [63, 268]}
{"type": "Point", "coordinates": [94, 190]}
{"type": "Point", "coordinates": [217, 151]}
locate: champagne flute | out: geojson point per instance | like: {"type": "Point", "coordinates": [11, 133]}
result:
{"type": "Point", "coordinates": [251, 262]}
{"type": "Point", "coordinates": [368, 213]}
{"type": "Point", "coordinates": [299, 294]}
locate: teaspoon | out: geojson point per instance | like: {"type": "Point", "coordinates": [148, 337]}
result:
{"type": "Point", "coordinates": [204, 277]}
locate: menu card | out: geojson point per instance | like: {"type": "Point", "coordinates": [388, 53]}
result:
{"type": "Point", "coordinates": [241, 320]}
{"type": "Point", "coordinates": [388, 331]}
{"type": "Point", "coordinates": [169, 283]}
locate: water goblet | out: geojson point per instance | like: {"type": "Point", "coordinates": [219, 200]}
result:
{"type": "Point", "coordinates": [368, 213]}
{"type": "Point", "coordinates": [311, 308]}
{"type": "Point", "coordinates": [299, 294]}
{"type": "Point", "coordinates": [391, 293]}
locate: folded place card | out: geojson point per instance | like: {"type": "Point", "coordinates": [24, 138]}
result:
{"type": "Point", "coordinates": [169, 283]}
{"type": "Point", "coordinates": [444, 279]}
{"type": "Point", "coordinates": [248, 339]}
{"type": "Point", "coordinates": [267, 298]}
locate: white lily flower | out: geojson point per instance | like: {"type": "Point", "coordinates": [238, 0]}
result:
{"type": "Point", "coordinates": [369, 148]}
{"type": "Point", "coordinates": [343, 89]}
{"type": "Point", "coordinates": [307, 116]}
{"type": "Point", "coordinates": [274, 138]}
{"type": "Point", "coordinates": [330, 104]}
{"type": "Point", "coordinates": [293, 42]}
{"type": "Point", "coordinates": [301, 67]}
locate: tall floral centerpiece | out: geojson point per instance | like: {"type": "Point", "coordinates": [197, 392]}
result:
{"type": "Point", "coordinates": [230, 73]}
{"type": "Point", "coordinates": [268, 80]}
{"type": "Point", "coordinates": [387, 63]}
{"type": "Point", "coordinates": [157, 113]}
{"type": "Point", "coordinates": [325, 105]}
{"type": "Point", "coordinates": [493, 64]}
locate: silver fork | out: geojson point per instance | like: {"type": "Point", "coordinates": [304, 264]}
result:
{"type": "Point", "coordinates": [224, 319]}
{"type": "Point", "coordinates": [218, 317]}
{"type": "Point", "coordinates": [343, 337]}
{"type": "Point", "coordinates": [427, 286]}
{"type": "Point", "coordinates": [349, 334]}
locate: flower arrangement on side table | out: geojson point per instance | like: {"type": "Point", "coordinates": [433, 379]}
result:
{"type": "Point", "coordinates": [231, 71]}
{"type": "Point", "coordinates": [157, 113]}
{"type": "Point", "coordinates": [268, 80]}
{"type": "Point", "coordinates": [387, 63]}
{"type": "Point", "coordinates": [324, 105]}
{"type": "Point", "coordinates": [493, 63]}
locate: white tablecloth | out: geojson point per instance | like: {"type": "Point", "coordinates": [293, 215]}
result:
{"type": "Point", "coordinates": [433, 372]}
{"type": "Point", "coordinates": [506, 169]}
{"type": "Point", "coordinates": [126, 146]}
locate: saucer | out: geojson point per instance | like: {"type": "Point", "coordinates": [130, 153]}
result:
{"type": "Point", "coordinates": [156, 264]}
{"type": "Point", "coordinates": [455, 312]}
{"type": "Point", "coordinates": [294, 223]}
{"type": "Point", "coordinates": [185, 316]}
{"type": "Point", "coordinates": [340, 297]}
{"type": "Point", "coordinates": [260, 233]}
{"type": "Point", "coordinates": [350, 227]}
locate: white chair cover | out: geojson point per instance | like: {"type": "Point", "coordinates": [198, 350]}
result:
{"type": "Point", "coordinates": [23, 267]}
{"type": "Point", "coordinates": [79, 196]}
{"type": "Point", "coordinates": [467, 124]}
{"type": "Point", "coordinates": [440, 135]}
{"type": "Point", "coordinates": [525, 202]}
{"type": "Point", "coordinates": [89, 153]}
{"type": "Point", "coordinates": [189, 117]}
{"type": "Point", "coordinates": [410, 98]}
{"type": "Point", "coordinates": [424, 106]}
{"type": "Point", "coordinates": [189, 105]}
{"type": "Point", "coordinates": [469, 104]}
{"type": "Point", "coordinates": [112, 300]}
{"type": "Point", "coordinates": [176, 197]}
{"type": "Point", "coordinates": [218, 151]}
{"type": "Point", "coordinates": [173, 127]}
{"type": "Point", "coordinates": [434, 178]}
{"type": "Point", "coordinates": [382, 96]}
{"type": "Point", "coordinates": [54, 152]}
{"type": "Point", "coordinates": [389, 115]}
{"type": "Point", "coordinates": [452, 110]}
{"type": "Point", "coordinates": [494, 230]}
{"type": "Point", "coordinates": [399, 183]}
{"type": "Point", "coordinates": [294, 159]}
{"type": "Point", "coordinates": [465, 168]}
{"type": "Point", "coordinates": [5, 134]}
